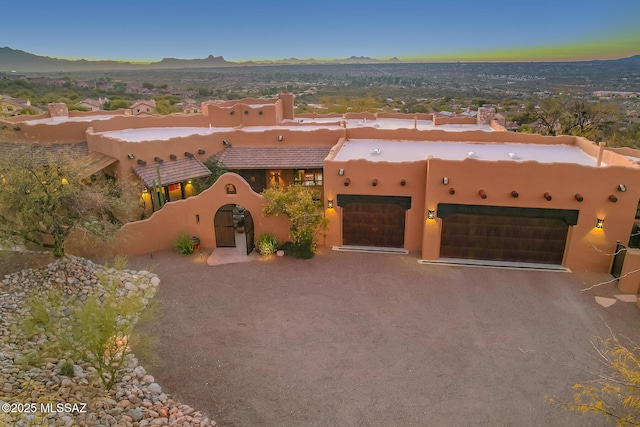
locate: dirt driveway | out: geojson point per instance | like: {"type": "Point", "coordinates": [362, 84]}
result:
{"type": "Point", "coordinates": [374, 339]}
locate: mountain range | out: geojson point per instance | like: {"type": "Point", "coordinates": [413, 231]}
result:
{"type": "Point", "coordinates": [13, 60]}
{"type": "Point", "coordinates": [18, 61]}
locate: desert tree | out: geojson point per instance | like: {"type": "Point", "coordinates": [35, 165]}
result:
{"type": "Point", "coordinates": [305, 217]}
{"type": "Point", "coordinates": [44, 193]}
{"type": "Point", "coordinates": [573, 115]}
{"type": "Point", "coordinates": [99, 330]}
{"type": "Point", "coordinates": [612, 389]}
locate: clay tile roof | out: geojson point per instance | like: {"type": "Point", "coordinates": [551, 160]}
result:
{"type": "Point", "coordinates": [172, 171]}
{"type": "Point", "coordinates": [273, 157]}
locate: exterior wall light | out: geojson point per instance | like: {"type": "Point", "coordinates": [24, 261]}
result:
{"type": "Point", "coordinates": [340, 172]}
{"type": "Point", "coordinates": [374, 183]}
{"type": "Point", "coordinates": [330, 203]}
{"type": "Point", "coordinates": [431, 215]}
{"type": "Point", "coordinates": [579, 197]}
{"type": "Point", "coordinates": [403, 182]}
{"type": "Point", "coordinates": [445, 180]}
{"type": "Point", "coordinates": [189, 182]}
{"type": "Point", "coordinates": [599, 223]}
{"type": "Point", "coordinates": [131, 156]}
{"type": "Point", "coordinates": [514, 194]}
{"type": "Point", "coordinates": [452, 191]}
{"type": "Point", "coordinates": [547, 196]}
{"type": "Point", "coordinates": [622, 188]}
{"type": "Point", "coordinates": [280, 137]}
{"type": "Point", "coordinates": [613, 198]}
{"type": "Point", "coordinates": [347, 181]}
{"type": "Point", "coordinates": [482, 194]}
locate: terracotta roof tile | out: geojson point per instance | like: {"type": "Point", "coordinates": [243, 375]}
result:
{"type": "Point", "coordinates": [273, 157]}
{"type": "Point", "coordinates": [172, 171]}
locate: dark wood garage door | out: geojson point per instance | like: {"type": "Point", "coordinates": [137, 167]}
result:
{"type": "Point", "coordinates": [373, 224]}
{"type": "Point", "coordinates": [503, 238]}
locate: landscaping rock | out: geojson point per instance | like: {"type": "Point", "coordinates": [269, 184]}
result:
{"type": "Point", "coordinates": [23, 376]}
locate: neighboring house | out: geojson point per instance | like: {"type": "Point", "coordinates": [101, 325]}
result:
{"type": "Point", "coordinates": [92, 104]}
{"type": "Point", "coordinates": [16, 106]}
{"type": "Point", "coordinates": [190, 106]}
{"type": "Point", "coordinates": [143, 107]}
{"type": "Point", "coordinates": [512, 126]}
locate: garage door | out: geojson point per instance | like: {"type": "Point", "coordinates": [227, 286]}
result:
{"type": "Point", "coordinates": [506, 234]}
{"type": "Point", "coordinates": [373, 220]}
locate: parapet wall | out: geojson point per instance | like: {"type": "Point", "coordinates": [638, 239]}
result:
{"type": "Point", "coordinates": [463, 136]}
{"type": "Point", "coordinates": [193, 216]}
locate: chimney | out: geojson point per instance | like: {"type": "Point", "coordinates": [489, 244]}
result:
{"type": "Point", "coordinates": [485, 115]}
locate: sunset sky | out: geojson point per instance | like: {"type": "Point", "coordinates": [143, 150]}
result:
{"type": "Point", "coordinates": [261, 30]}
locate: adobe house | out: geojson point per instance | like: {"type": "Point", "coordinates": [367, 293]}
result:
{"type": "Point", "coordinates": [454, 189]}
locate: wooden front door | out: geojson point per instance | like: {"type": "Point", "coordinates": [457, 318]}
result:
{"type": "Point", "coordinates": [224, 229]}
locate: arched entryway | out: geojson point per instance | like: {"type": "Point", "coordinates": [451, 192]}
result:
{"type": "Point", "coordinates": [234, 228]}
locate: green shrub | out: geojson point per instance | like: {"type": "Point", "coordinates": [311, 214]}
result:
{"type": "Point", "coordinates": [267, 244]}
{"type": "Point", "coordinates": [299, 250]}
{"type": "Point", "coordinates": [66, 369]}
{"type": "Point", "coordinates": [183, 245]}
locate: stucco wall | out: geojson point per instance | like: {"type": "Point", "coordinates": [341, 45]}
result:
{"type": "Point", "coordinates": [360, 174]}
{"type": "Point", "coordinates": [444, 120]}
{"type": "Point", "coordinates": [211, 144]}
{"type": "Point", "coordinates": [630, 276]}
{"type": "Point", "coordinates": [531, 180]}
{"type": "Point", "coordinates": [159, 231]}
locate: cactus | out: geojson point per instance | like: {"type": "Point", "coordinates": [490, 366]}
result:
{"type": "Point", "coordinates": [161, 192]}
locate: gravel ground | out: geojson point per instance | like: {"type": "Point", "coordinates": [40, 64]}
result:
{"type": "Point", "coordinates": [375, 339]}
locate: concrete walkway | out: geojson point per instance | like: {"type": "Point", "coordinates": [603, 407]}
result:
{"type": "Point", "coordinates": [232, 255]}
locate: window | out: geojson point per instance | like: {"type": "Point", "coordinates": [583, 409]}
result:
{"type": "Point", "coordinates": [308, 177]}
